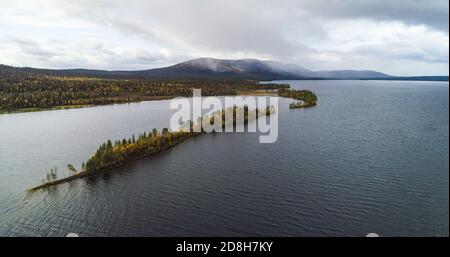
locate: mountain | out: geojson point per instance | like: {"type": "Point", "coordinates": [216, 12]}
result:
{"type": "Point", "coordinates": [253, 69]}
{"type": "Point", "coordinates": [244, 69]}
{"type": "Point", "coordinates": [216, 68]}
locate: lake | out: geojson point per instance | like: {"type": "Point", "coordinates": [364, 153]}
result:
{"type": "Point", "coordinates": [371, 157]}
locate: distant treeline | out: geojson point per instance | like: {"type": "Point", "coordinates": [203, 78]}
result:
{"type": "Point", "coordinates": [415, 78]}
{"type": "Point", "coordinates": [19, 91]}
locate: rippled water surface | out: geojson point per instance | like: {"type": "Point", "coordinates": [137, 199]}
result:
{"type": "Point", "coordinates": [371, 157]}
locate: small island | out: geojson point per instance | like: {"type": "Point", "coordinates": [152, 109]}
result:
{"type": "Point", "coordinates": [305, 98]}
{"type": "Point", "coordinates": [111, 155]}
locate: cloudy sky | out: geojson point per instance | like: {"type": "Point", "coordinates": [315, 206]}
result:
{"type": "Point", "coordinates": [401, 37]}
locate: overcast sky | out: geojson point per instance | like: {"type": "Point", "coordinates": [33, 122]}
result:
{"type": "Point", "coordinates": [401, 37]}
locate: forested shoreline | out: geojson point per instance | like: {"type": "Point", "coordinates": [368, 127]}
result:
{"type": "Point", "coordinates": [20, 92]}
{"type": "Point", "coordinates": [305, 98]}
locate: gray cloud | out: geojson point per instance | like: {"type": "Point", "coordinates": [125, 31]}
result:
{"type": "Point", "coordinates": [433, 13]}
{"type": "Point", "coordinates": [317, 34]}
{"type": "Point", "coordinates": [33, 49]}
{"type": "Point", "coordinates": [206, 25]}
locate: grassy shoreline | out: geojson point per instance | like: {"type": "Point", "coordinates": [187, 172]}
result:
{"type": "Point", "coordinates": [140, 99]}
{"type": "Point", "coordinates": [68, 107]}
{"type": "Point", "coordinates": [62, 107]}
{"type": "Point", "coordinates": [152, 98]}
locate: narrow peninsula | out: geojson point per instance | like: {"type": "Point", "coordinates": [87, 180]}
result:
{"type": "Point", "coordinates": [111, 155]}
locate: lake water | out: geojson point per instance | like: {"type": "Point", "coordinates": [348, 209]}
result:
{"type": "Point", "coordinates": [371, 157]}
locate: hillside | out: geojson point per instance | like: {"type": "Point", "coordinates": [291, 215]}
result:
{"type": "Point", "coordinates": [209, 68]}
